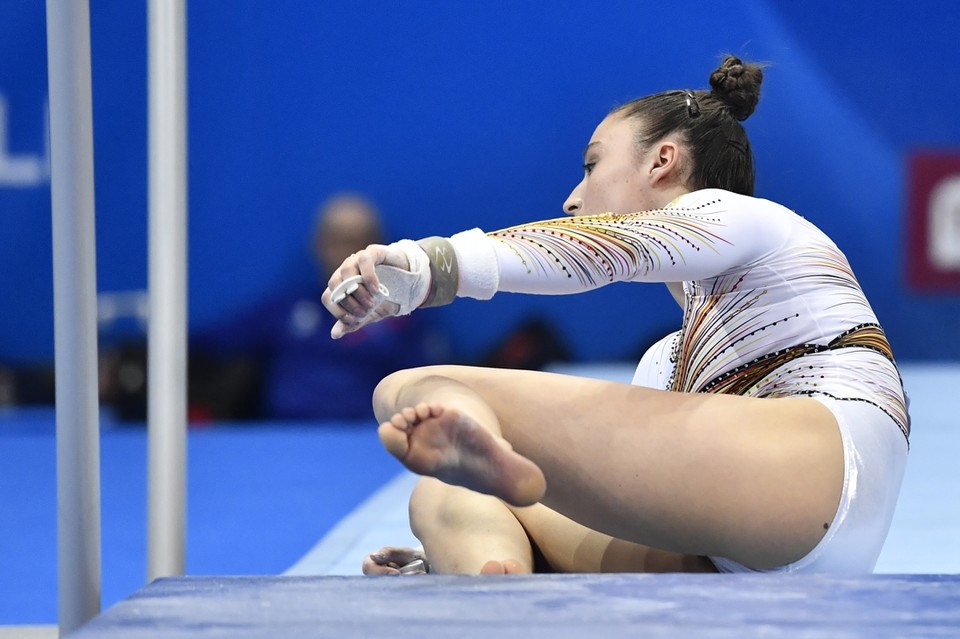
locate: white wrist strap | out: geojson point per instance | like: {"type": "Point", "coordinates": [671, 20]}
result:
{"type": "Point", "coordinates": [477, 260]}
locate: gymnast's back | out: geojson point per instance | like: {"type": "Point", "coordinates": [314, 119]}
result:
{"type": "Point", "coordinates": [771, 309]}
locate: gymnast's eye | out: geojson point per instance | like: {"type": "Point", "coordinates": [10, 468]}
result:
{"type": "Point", "coordinates": [588, 167]}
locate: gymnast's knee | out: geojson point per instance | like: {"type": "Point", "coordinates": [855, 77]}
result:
{"type": "Point", "coordinates": [422, 507]}
{"type": "Point", "coordinates": [435, 505]}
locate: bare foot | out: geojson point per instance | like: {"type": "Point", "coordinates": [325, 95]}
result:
{"type": "Point", "coordinates": [442, 442]}
{"type": "Point", "coordinates": [505, 567]}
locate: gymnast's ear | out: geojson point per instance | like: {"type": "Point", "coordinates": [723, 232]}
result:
{"type": "Point", "coordinates": [663, 162]}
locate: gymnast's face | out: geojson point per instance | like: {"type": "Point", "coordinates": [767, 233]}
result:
{"type": "Point", "coordinates": [616, 178]}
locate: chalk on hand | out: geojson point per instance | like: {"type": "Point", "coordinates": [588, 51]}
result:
{"type": "Point", "coordinates": [347, 287]}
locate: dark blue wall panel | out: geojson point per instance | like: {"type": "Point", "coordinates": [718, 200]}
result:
{"type": "Point", "coordinates": [464, 114]}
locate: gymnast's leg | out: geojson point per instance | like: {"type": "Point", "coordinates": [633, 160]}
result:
{"type": "Point", "coordinates": [754, 480]}
{"type": "Point", "coordinates": [465, 532]}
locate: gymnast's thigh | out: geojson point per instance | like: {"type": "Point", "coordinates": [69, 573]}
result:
{"type": "Point", "coordinates": [756, 480]}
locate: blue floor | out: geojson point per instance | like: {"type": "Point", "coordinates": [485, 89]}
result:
{"type": "Point", "coordinates": [260, 497]}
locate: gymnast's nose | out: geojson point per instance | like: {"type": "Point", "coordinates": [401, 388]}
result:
{"type": "Point", "coordinates": [574, 204]}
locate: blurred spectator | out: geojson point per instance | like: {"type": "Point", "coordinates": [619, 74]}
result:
{"type": "Point", "coordinates": [281, 353]}
{"type": "Point", "coordinates": [26, 385]}
{"type": "Point", "coordinates": [534, 345]}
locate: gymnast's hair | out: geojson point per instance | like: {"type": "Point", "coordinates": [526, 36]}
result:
{"type": "Point", "coordinates": [708, 123]}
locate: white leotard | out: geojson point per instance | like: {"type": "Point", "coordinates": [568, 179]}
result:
{"type": "Point", "coordinates": [772, 308]}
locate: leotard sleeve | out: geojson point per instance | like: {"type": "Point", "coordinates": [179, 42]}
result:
{"type": "Point", "coordinates": [700, 235]}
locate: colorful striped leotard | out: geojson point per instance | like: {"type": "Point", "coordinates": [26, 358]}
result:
{"type": "Point", "coordinates": [772, 308]}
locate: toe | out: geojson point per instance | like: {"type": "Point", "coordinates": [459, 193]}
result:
{"type": "Point", "coordinates": [514, 567]}
{"type": "Point", "coordinates": [492, 567]}
{"type": "Point", "coordinates": [394, 440]}
{"type": "Point", "coordinates": [424, 411]}
{"type": "Point", "coordinates": [400, 422]}
{"type": "Point", "coordinates": [410, 414]}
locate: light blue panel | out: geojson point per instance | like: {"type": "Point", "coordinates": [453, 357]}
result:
{"type": "Point", "coordinates": [926, 526]}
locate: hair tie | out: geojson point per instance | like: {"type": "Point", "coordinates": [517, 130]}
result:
{"type": "Point", "coordinates": [693, 107]}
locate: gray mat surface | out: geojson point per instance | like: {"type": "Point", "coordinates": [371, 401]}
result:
{"type": "Point", "coordinates": [554, 606]}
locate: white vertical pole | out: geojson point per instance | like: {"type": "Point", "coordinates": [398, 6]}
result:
{"type": "Point", "coordinates": [75, 311]}
{"type": "Point", "coordinates": [167, 351]}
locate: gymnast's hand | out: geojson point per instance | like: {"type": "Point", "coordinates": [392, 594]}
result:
{"type": "Point", "coordinates": [392, 560]}
{"type": "Point", "coordinates": [363, 296]}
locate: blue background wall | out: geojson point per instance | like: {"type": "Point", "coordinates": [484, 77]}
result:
{"type": "Point", "coordinates": [459, 114]}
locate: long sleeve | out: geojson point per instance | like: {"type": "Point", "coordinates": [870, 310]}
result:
{"type": "Point", "coordinates": [699, 235]}
{"type": "Point", "coordinates": [771, 305]}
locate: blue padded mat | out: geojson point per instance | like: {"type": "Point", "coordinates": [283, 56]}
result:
{"type": "Point", "coordinates": [554, 606]}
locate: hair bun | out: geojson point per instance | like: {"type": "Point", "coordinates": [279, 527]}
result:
{"type": "Point", "coordinates": [737, 85]}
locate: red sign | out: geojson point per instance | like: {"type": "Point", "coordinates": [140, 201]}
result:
{"type": "Point", "coordinates": [933, 222]}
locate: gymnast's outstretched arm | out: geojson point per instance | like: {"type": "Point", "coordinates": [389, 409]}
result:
{"type": "Point", "coordinates": [713, 232]}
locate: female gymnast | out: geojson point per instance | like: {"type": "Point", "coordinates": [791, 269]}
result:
{"type": "Point", "coordinates": [770, 433]}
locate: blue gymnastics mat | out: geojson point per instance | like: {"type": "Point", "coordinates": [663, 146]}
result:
{"type": "Point", "coordinates": [529, 607]}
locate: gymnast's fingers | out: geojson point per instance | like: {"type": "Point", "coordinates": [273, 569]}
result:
{"type": "Point", "coordinates": [339, 330]}
{"type": "Point", "coordinates": [367, 260]}
{"type": "Point", "coordinates": [344, 294]}
{"type": "Point", "coordinates": [372, 568]}
{"type": "Point", "coordinates": [349, 323]}
{"type": "Point", "coordinates": [344, 317]}
{"type": "Point", "coordinates": [391, 559]}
